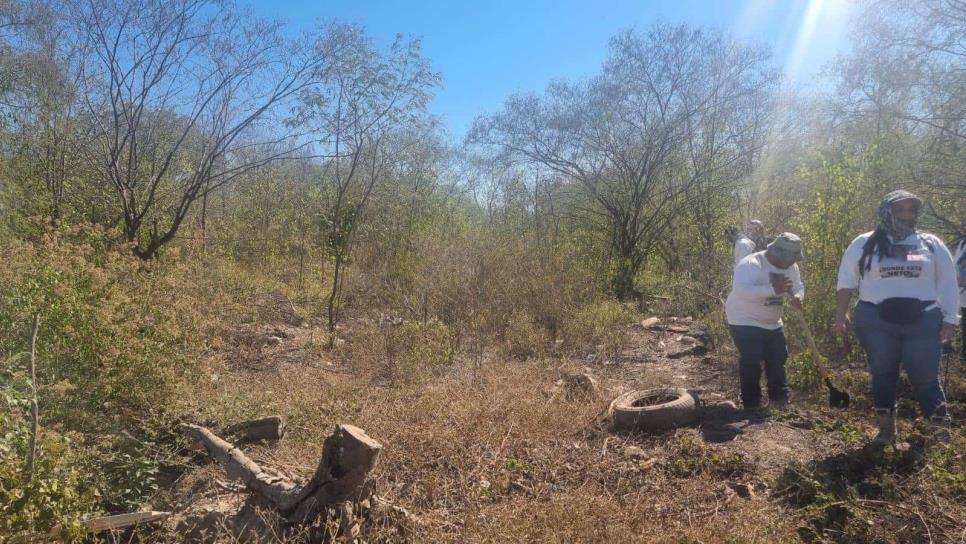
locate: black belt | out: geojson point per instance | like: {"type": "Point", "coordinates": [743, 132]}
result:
{"type": "Point", "coordinates": [925, 303]}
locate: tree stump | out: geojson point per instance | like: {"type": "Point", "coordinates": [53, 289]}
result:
{"type": "Point", "coordinates": [348, 455]}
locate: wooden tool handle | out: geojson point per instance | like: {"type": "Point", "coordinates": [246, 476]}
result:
{"type": "Point", "coordinates": [816, 357]}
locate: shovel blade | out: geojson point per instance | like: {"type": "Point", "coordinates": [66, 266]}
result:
{"type": "Point", "coordinates": [836, 397]}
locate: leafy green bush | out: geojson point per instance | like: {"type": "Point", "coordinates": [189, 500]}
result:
{"type": "Point", "coordinates": [842, 206]}
{"type": "Point", "coordinates": [58, 491]}
{"type": "Point", "coordinates": [116, 338]}
{"type": "Point", "coordinates": [801, 371]}
{"type": "Point", "coordinates": [113, 332]}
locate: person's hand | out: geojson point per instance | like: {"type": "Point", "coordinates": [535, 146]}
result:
{"type": "Point", "coordinates": [947, 333]}
{"type": "Point", "coordinates": [797, 302]}
{"type": "Point", "coordinates": [781, 284]}
{"type": "Point", "coordinates": [842, 326]}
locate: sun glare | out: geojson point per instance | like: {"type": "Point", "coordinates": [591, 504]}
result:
{"type": "Point", "coordinates": [806, 33]}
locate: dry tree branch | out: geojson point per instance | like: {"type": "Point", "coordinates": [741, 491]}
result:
{"type": "Point", "coordinates": [34, 407]}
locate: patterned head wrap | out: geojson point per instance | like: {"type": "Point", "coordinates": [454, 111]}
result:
{"type": "Point", "coordinates": [879, 244]}
{"type": "Point", "coordinates": [887, 220]}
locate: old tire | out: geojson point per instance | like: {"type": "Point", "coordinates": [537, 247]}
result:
{"type": "Point", "coordinates": [654, 409]}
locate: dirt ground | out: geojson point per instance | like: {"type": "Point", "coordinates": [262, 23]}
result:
{"type": "Point", "coordinates": [497, 450]}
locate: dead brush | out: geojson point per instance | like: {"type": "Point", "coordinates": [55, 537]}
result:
{"type": "Point", "coordinates": [598, 330]}
{"type": "Point", "coordinates": [524, 338]}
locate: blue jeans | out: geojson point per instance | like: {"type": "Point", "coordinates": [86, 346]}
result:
{"type": "Point", "coordinates": [916, 346]}
{"type": "Point", "coordinates": [755, 345]}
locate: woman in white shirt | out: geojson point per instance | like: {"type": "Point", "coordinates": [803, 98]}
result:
{"type": "Point", "coordinates": [908, 307]}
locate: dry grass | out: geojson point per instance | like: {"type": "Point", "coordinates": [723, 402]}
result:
{"type": "Point", "coordinates": [481, 453]}
{"type": "Point", "coordinates": [494, 451]}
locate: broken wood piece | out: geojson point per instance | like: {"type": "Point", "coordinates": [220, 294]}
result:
{"type": "Point", "coordinates": [98, 525]}
{"type": "Point", "coordinates": [238, 466]}
{"type": "Point", "coordinates": [265, 428]}
{"type": "Point", "coordinates": [650, 322]}
{"type": "Point", "coordinates": [348, 455]}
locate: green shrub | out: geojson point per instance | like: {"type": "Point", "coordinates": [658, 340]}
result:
{"type": "Point", "coordinates": [801, 371]}
{"type": "Point", "coordinates": [58, 492]}
{"type": "Point", "coordinates": [117, 336]}
{"type": "Point", "coordinates": [114, 334]}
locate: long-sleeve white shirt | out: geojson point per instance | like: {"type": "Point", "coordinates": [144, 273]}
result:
{"type": "Point", "coordinates": [752, 300]}
{"type": "Point", "coordinates": [959, 259]}
{"type": "Point", "coordinates": [744, 246]}
{"type": "Point", "coordinates": [920, 266]}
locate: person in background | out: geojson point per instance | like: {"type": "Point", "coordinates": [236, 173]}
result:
{"type": "Point", "coordinates": [762, 281]}
{"type": "Point", "coordinates": [750, 240]}
{"type": "Point", "coordinates": [908, 307]}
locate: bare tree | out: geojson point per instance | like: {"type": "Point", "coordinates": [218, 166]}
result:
{"type": "Point", "coordinates": [40, 72]}
{"type": "Point", "coordinates": [906, 78]}
{"type": "Point", "coordinates": [177, 96]}
{"type": "Point", "coordinates": [672, 108]}
{"type": "Point", "coordinates": [354, 109]}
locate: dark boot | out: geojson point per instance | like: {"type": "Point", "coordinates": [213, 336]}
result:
{"type": "Point", "coordinates": [886, 420]}
{"type": "Point", "coordinates": [941, 424]}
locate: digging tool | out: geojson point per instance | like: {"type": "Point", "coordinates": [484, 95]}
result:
{"type": "Point", "coordinates": [837, 398]}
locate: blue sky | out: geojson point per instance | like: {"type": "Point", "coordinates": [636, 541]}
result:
{"type": "Point", "coordinates": [487, 51]}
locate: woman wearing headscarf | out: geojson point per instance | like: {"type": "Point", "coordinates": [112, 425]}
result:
{"type": "Point", "coordinates": [908, 307]}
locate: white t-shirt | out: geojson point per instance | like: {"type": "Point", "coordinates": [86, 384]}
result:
{"type": "Point", "coordinates": [959, 259]}
{"type": "Point", "coordinates": [752, 300]}
{"type": "Point", "coordinates": [920, 266]}
{"type": "Point", "coordinates": [744, 246]}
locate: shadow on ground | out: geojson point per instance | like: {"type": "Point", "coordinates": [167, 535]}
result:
{"type": "Point", "coordinates": [723, 422]}
{"type": "Point", "coordinates": [836, 492]}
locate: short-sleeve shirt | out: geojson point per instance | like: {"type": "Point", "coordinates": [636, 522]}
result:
{"type": "Point", "coordinates": [918, 266]}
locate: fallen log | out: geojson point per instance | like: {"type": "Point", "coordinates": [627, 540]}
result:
{"type": "Point", "coordinates": [348, 455]}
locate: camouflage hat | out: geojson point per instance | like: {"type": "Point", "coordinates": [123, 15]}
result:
{"type": "Point", "coordinates": [888, 220]}
{"type": "Point", "coordinates": [788, 245]}
{"type": "Point", "coordinates": [899, 195]}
